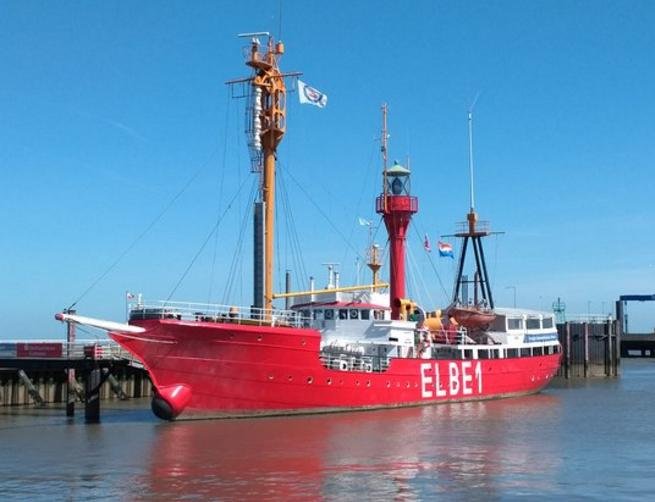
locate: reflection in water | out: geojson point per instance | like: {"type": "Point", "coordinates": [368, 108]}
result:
{"type": "Point", "coordinates": [492, 446]}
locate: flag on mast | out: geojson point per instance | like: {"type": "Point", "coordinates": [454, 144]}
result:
{"type": "Point", "coordinates": [445, 249]}
{"type": "Point", "coordinates": [363, 222]}
{"type": "Point", "coordinates": [310, 95]}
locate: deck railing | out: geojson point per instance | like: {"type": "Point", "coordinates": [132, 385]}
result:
{"type": "Point", "coordinates": [216, 313]}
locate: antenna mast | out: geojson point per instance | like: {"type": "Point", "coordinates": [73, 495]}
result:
{"type": "Point", "coordinates": [472, 192]}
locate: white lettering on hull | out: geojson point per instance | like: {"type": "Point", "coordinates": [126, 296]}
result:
{"type": "Point", "coordinates": [461, 381]}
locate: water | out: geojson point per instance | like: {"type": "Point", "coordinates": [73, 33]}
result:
{"type": "Point", "coordinates": [592, 440]}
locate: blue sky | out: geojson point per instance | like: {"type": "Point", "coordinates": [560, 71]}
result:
{"type": "Point", "coordinates": [109, 109]}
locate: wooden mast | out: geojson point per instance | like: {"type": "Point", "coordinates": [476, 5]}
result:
{"type": "Point", "coordinates": [269, 89]}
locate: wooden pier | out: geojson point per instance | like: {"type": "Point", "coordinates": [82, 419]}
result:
{"type": "Point", "coordinates": [45, 372]}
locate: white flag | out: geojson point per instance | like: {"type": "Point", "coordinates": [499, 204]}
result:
{"type": "Point", "coordinates": [364, 223]}
{"type": "Point", "coordinates": [309, 95]}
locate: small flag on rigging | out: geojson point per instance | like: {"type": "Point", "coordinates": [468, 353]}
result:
{"type": "Point", "coordinates": [363, 222]}
{"type": "Point", "coordinates": [445, 249]}
{"type": "Point", "coordinates": [426, 244]}
{"type": "Point", "coordinates": [310, 95]}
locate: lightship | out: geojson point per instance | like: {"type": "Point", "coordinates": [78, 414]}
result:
{"type": "Point", "coordinates": [336, 348]}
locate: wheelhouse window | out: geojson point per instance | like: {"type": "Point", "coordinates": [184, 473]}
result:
{"type": "Point", "coordinates": [548, 322]}
{"type": "Point", "coordinates": [533, 323]}
{"type": "Point", "coordinates": [365, 315]}
{"type": "Point", "coordinates": [343, 313]}
{"type": "Point", "coordinates": [514, 323]}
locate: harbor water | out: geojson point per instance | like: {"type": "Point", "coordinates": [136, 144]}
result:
{"type": "Point", "coordinates": [591, 439]}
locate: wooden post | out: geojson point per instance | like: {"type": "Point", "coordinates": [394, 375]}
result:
{"type": "Point", "coordinates": [610, 354]}
{"type": "Point", "coordinates": [586, 349]}
{"type": "Point", "coordinates": [619, 334]}
{"type": "Point", "coordinates": [116, 387]}
{"type": "Point", "coordinates": [31, 389]}
{"type": "Point", "coordinates": [567, 362]}
{"type": "Point", "coordinates": [70, 388]}
{"type": "Point", "coordinates": [92, 393]}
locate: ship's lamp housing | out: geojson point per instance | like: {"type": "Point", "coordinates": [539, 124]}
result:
{"type": "Point", "coordinates": [398, 180]}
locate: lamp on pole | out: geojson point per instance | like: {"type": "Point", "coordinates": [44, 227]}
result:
{"type": "Point", "coordinates": [513, 288]}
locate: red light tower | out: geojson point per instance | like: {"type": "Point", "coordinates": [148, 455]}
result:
{"type": "Point", "coordinates": [397, 206]}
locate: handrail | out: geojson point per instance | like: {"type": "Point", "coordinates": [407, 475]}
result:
{"type": "Point", "coordinates": [214, 313]}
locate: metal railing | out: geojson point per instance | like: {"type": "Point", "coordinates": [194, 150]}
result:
{"type": "Point", "coordinates": [347, 361]}
{"type": "Point", "coordinates": [206, 312]}
{"type": "Point", "coordinates": [56, 349]}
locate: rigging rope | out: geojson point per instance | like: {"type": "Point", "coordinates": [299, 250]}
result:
{"type": "Point", "coordinates": [322, 213]}
{"type": "Point", "coordinates": [292, 234]}
{"type": "Point", "coordinates": [202, 247]}
{"type": "Point", "coordinates": [148, 228]}
{"type": "Point", "coordinates": [367, 173]}
{"type": "Point", "coordinates": [434, 268]}
{"type": "Point", "coordinates": [220, 195]}
{"type": "Point", "coordinates": [236, 257]}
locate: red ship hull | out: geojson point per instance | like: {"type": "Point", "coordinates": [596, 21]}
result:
{"type": "Point", "coordinates": [237, 370]}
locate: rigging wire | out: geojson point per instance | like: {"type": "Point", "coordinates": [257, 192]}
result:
{"type": "Point", "coordinates": [206, 241]}
{"type": "Point", "coordinates": [293, 239]}
{"type": "Point", "coordinates": [434, 268]}
{"type": "Point", "coordinates": [325, 216]}
{"type": "Point", "coordinates": [365, 184]}
{"type": "Point", "coordinates": [421, 277]}
{"type": "Point", "coordinates": [220, 196]}
{"type": "Point", "coordinates": [235, 265]}
{"type": "Point", "coordinates": [147, 229]}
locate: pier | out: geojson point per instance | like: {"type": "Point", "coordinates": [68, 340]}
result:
{"type": "Point", "coordinates": [590, 349]}
{"type": "Point", "coordinates": [638, 345]}
{"type": "Point", "coordinates": [47, 371]}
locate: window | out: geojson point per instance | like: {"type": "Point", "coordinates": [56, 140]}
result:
{"type": "Point", "coordinates": [354, 313]}
{"type": "Point", "coordinates": [512, 352]}
{"type": "Point", "coordinates": [526, 352]}
{"type": "Point", "coordinates": [365, 315]}
{"type": "Point", "coordinates": [318, 314]}
{"type": "Point", "coordinates": [548, 322]}
{"type": "Point", "coordinates": [514, 323]}
{"type": "Point", "coordinates": [533, 324]}
{"type": "Point", "coordinates": [329, 314]}
{"type": "Point", "coordinates": [468, 354]}
{"type": "Point", "coordinates": [343, 313]}
{"type": "Point", "coordinates": [538, 351]}
{"type": "Point", "coordinates": [483, 354]}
